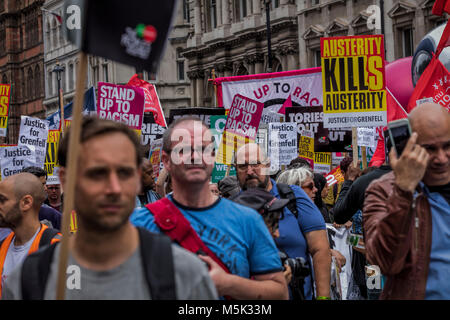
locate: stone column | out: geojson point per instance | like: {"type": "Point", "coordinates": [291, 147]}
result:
{"type": "Point", "coordinates": [259, 63]}
{"type": "Point", "coordinates": [256, 7]}
{"type": "Point", "coordinates": [225, 12]}
{"type": "Point", "coordinates": [197, 18]}
{"type": "Point", "coordinates": [293, 61]}
{"type": "Point", "coordinates": [219, 12]}
{"type": "Point", "coordinates": [200, 89]}
{"type": "Point", "coordinates": [191, 76]}
{"type": "Point", "coordinates": [249, 7]}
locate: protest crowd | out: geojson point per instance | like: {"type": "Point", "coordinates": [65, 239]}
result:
{"type": "Point", "coordinates": [344, 199]}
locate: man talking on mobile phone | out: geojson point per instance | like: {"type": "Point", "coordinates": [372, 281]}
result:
{"type": "Point", "coordinates": [407, 213]}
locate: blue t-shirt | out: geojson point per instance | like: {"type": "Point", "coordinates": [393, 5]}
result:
{"type": "Point", "coordinates": [236, 234]}
{"type": "Point", "coordinates": [438, 285]}
{"type": "Point", "coordinates": [292, 230]}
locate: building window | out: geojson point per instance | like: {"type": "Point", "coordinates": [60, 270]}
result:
{"type": "Point", "coordinates": [49, 83]}
{"type": "Point", "coordinates": [275, 3]}
{"type": "Point", "coordinates": [407, 42]}
{"type": "Point", "coordinates": [30, 84]}
{"type": "Point", "coordinates": [37, 80]}
{"type": "Point", "coordinates": [240, 9]}
{"type": "Point", "coordinates": [63, 79]}
{"type": "Point", "coordinates": [31, 29]}
{"type": "Point", "coordinates": [2, 38]}
{"type": "Point", "coordinates": [48, 31]}
{"type": "Point", "coordinates": [54, 34]}
{"type": "Point", "coordinates": [95, 75]}
{"type": "Point", "coordinates": [180, 67]}
{"type": "Point", "coordinates": [4, 79]}
{"type": "Point", "coordinates": [2, 5]}
{"type": "Point", "coordinates": [186, 16]}
{"type": "Point", "coordinates": [317, 58]}
{"type": "Point", "coordinates": [105, 72]}
{"type": "Point", "coordinates": [315, 2]}
{"type": "Point", "coordinates": [71, 85]}
{"type": "Point", "coordinates": [213, 13]}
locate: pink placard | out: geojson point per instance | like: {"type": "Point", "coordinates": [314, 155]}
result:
{"type": "Point", "coordinates": [121, 103]}
{"type": "Point", "coordinates": [244, 116]}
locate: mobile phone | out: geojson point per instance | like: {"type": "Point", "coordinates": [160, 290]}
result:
{"type": "Point", "coordinates": [399, 133]}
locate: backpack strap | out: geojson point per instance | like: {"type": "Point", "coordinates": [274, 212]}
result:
{"type": "Point", "coordinates": [157, 259]}
{"type": "Point", "coordinates": [173, 223]}
{"type": "Point", "coordinates": [35, 271]}
{"type": "Point", "coordinates": [286, 192]}
{"type": "Point", "coordinates": [49, 236]}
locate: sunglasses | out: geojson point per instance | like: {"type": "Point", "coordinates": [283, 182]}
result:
{"type": "Point", "coordinates": [309, 186]}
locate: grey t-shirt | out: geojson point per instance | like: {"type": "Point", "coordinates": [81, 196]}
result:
{"type": "Point", "coordinates": [15, 256]}
{"type": "Point", "coordinates": [125, 282]}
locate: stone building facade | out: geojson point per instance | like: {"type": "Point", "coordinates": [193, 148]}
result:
{"type": "Point", "coordinates": [21, 60]}
{"type": "Point", "coordinates": [58, 50]}
{"type": "Point", "coordinates": [230, 36]}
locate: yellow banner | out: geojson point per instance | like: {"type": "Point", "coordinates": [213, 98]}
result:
{"type": "Point", "coordinates": [322, 158]}
{"type": "Point", "coordinates": [51, 158]}
{"type": "Point", "coordinates": [353, 81]}
{"type": "Point", "coordinates": [5, 94]}
{"type": "Point", "coordinates": [229, 145]}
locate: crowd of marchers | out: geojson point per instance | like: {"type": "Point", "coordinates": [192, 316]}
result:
{"type": "Point", "coordinates": [257, 235]}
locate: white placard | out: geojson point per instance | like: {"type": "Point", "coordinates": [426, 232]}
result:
{"type": "Point", "coordinates": [34, 132]}
{"type": "Point", "coordinates": [282, 143]}
{"type": "Point", "coordinates": [367, 137]}
{"type": "Point", "coordinates": [15, 159]}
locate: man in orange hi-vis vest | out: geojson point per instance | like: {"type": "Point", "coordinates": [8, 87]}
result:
{"type": "Point", "coordinates": [21, 197]}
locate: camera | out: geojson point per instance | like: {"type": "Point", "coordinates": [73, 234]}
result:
{"type": "Point", "coordinates": [300, 270]}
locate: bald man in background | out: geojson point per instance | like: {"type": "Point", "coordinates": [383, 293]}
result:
{"type": "Point", "coordinates": [406, 212]}
{"type": "Point", "coordinates": [21, 197]}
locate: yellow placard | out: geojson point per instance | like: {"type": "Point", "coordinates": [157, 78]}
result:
{"type": "Point", "coordinates": [353, 81]}
{"type": "Point", "coordinates": [5, 94]}
{"type": "Point", "coordinates": [51, 159]}
{"type": "Point", "coordinates": [228, 146]}
{"type": "Point", "coordinates": [306, 147]}
{"type": "Point", "coordinates": [322, 158]}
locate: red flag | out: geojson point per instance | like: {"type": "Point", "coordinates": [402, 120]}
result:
{"type": "Point", "coordinates": [151, 99]}
{"type": "Point", "coordinates": [395, 111]}
{"type": "Point", "coordinates": [57, 16]}
{"type": "Point", "coordinates": [441, 6]}
{"type": "Point", "coordinates": [286, 104]}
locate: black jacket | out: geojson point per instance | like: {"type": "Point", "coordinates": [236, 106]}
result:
{"type": "Point", "coordinates": [351, 197]}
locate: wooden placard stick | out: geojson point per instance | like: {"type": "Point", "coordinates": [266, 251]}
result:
{"type": "Point", "coordinates": [72, 165]}
{"type": "Point", "coordinates": [355, 146]}
{"type": "Point", "coordinates": [216, 100]}
{"type": "Point", "coordinates": [364, 157]}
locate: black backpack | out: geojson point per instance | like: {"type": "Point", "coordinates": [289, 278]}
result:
{"type": "Point", "coordinates": [156, 253]}
{"type": "Point", "coordinates": [47, 237]}
{"type": "Point", "coordinates": [286, 192]}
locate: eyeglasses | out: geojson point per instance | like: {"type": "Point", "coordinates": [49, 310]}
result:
{"type": "Point", "coordinates": [245, 166]}
{"type": "Point", "coordinates": [309, 186]}
{"type": "Point", "coordinates": [53, 188]}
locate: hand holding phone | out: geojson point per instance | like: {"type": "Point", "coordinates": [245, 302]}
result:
{"type": "Point", "coordinates": [410, 167]}
{"type": "Point", "coordinates": [399, 133]}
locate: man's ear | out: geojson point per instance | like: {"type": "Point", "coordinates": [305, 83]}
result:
{"type": "Point", "coordinates": [26, 203]}
{"type": "Point", "coordinates": [165, 158]}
